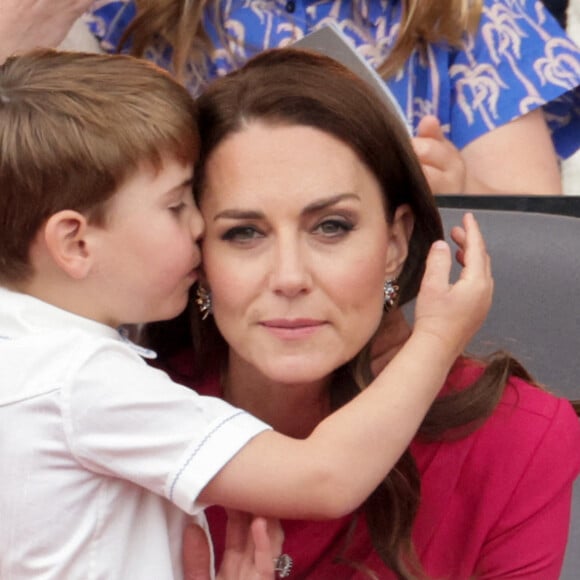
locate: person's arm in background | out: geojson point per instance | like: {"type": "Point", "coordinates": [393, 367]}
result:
{"type": "Point", "coordinates": [508, 103]}
{"type": "Point", "coordinates": [481, 166]}
{"type": "Point", "coordinates": [28, 24]}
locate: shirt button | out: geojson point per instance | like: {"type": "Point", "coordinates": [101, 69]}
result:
{"type": "Point", "coordinates": [290, 6]}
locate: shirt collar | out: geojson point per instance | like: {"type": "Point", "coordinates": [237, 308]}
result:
{"type": "Point", "coordinates": [22, 314]}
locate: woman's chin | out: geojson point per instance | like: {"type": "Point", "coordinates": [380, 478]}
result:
{"type": "Point", "coordinates": [294, 372]}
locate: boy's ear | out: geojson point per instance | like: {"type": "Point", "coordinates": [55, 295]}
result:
{"type": "Point", "coordinates": [400, 232]}
{"type": "Point", "coordinates": [65, 239]}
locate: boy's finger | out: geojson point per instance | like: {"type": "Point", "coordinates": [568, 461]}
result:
{"type": "Point", "coordinates": [237, 530]}
{"type": "Point", "coordinates": [458, 235]}
{"type": "Point", "coordinates": [475, 253]}
{"type": "Point", "coordinates": [438, 266]}
{"type": "Point", "coordinates": [266, 550]}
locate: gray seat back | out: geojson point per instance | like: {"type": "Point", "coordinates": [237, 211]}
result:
{"type": "Point", "coordinates": [536, 308]}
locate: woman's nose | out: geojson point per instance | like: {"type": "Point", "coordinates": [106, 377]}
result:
{"type": "Point", "coordinates": [290, 274]}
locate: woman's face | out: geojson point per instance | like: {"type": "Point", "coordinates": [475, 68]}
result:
{"type": "Point", "coordinates": [296, 250]}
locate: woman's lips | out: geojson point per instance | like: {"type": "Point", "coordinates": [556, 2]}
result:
{"type": "Point", "coordinates": [292, 329]}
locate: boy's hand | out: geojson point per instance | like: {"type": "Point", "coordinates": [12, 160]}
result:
{"type": "Point", "coordinates": [252, 545]}
{"type": "Point", "coordinates": [455, 312]}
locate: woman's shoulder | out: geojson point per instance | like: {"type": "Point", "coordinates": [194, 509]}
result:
{"type": "Point", "coordinates": [530, 420]}
{"type": "Point", "coordinates": [521, 400]}
{"type": "Point", "coordinates": [495, 489]}
{"type": "Point", "coordinates": [491, 493]}
{"type": "Point", "coordinates": [529, 424]}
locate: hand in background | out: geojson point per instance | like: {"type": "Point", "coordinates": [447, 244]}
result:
{"type": "Point", "coordinates": [442, 162]}
{"type": "Point", "coordinates": [252, 545]}
{"type": "Point", "coordinates": [28, 24]}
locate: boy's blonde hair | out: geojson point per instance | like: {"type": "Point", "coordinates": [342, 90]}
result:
{"type": "Point", "coordinates": [73, 128]}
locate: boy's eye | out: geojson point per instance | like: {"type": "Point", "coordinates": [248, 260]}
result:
{"type": "Point", "coordinates": [333, 227]}
{"type": "Point", "coordinates": [242, 234]}
{"type": "Point", "coordinates": [178, 207]}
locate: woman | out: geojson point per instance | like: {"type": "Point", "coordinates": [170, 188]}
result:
{"type": "Point", "coordinates": [456, 68]}
{"type": "Point", "coordinates": [312, 197]}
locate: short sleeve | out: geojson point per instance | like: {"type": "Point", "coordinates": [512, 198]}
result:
{"type": "Point", "coordinates": [519, 60]}
{"type": "Point", "coordinates": [125, 419]}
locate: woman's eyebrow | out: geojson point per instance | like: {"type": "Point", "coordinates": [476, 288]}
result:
{"type": "Point", "coordinates": [326, 202]}
{"type": "Point", "coordinates": [313, 207]}
{"type": "Point", "coordinates": [239, 214]}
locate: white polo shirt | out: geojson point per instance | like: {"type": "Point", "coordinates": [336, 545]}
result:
{"type": "Point", "coordinates": [101, 456]}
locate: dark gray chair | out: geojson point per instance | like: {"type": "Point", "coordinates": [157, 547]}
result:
{"type": "Point", "coordinates": [536, 308]}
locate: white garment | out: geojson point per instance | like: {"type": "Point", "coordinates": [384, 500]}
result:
{"type": "Point", "coordinates": [97, 449]}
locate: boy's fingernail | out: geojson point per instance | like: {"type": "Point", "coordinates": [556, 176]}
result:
{"type": "Point", "coordinates": [440, 245]}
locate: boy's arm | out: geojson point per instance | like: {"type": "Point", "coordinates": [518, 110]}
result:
{"type": "Point", "coordinates": [334, 470]}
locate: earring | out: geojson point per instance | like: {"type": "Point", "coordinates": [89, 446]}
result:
{"type": "Point", "coordinates": [391, 290]}
{"type": "Point", "coordinates": [203, 301]}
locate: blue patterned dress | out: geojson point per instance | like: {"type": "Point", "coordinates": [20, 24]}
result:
{"type": "Point", "coordinates": [520, 58]}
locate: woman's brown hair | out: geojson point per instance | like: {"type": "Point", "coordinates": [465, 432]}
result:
{"type": "Point", "coordinates": [291, 87]}
{"type": "Point", "coordinates": [180, 24]}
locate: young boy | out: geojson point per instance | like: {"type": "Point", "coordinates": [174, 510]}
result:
{"type": "Point", "coordinates": [103, 456]}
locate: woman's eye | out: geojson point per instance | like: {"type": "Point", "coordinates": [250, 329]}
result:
{"type": "Point", "coordinates": [242, 234]}
{"type": "Point", "coordinates": [333, 227]}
